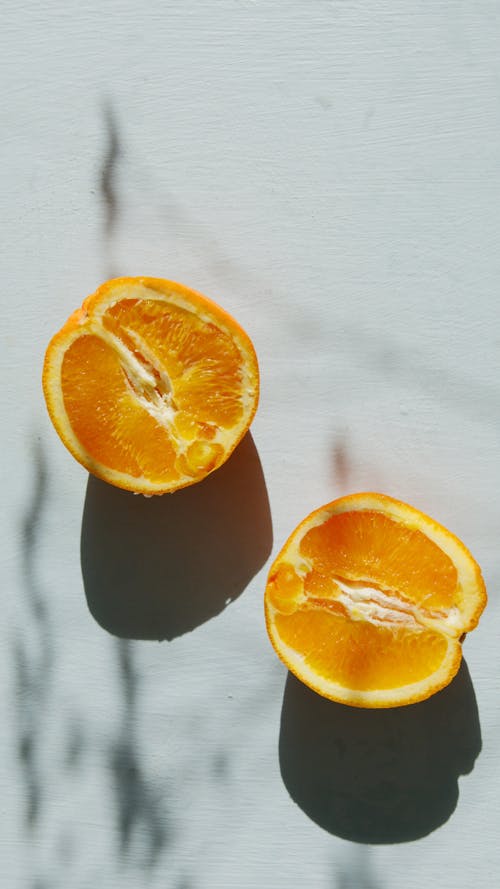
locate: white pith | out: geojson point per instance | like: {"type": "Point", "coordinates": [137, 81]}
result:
{"type": "Point", "coordinates": [364, 602]}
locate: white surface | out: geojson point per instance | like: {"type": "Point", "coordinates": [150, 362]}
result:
{"type": "Point", "coordinates": [327, 171]}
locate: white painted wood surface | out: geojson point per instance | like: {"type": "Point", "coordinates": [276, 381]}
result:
{"type": "Point", "coordinates": [329, 172]}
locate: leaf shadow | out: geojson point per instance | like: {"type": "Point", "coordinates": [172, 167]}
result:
{"type": "Point", "coordinates": [141, 806]}
{"type": "Point", "coordinates": [157, 568]}
{"type": "Point", "coordinates": [378, 776]}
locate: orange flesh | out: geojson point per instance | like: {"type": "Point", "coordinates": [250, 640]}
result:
{"type": "Point", "coordinates": [105, 416]}
{"type": "Point", "coordinates": [400, 577]}
{"type": "Point", "coordinates": [358, 654]}
{"type": "Point", "coordinates": [202, 361]}
{"type": "Point", "coordinates": [372, 547]}
{"type": "Point", "coordinates": [197, 372]}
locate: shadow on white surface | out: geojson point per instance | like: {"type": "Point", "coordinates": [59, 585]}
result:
{"type": "Point", "coordinates": [157, 568]}
{"type": "Point", "coordinates": [139, 802]}
{"type": "Point", "coordinates": [33, 649]}
{"type": "Point", "coordinates": [357, 871]}
{"type": "Point", "coordinates": [378, 776]}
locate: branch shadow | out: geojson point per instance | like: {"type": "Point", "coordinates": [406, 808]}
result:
{"type": "Point", "coordinates": [112, 154]}
{"type": "Point", "coordinates": [157, 568]}
{"type": "Point", "coordinates": [139, 800]}
{"type": "Point", "coordinates": [378, 776]}
{"type": "Point", "coordinates": [32, 646]}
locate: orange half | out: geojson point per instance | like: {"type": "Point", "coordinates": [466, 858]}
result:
{"type": "Point", "coordinates": [150, 385]}
{"type": "Point", "coordinates": [369, 599]}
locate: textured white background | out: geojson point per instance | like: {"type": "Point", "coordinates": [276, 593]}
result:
{"type": "Point", "coordinates": [329, 172]}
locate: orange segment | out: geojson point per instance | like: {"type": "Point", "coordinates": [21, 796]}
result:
{"type": "Point", "coordinates": [202, 362]}
{"type": "Point", "coordinates": [368, 544]}
{"type": "Point", "coordinates": [106, 419]}
{"type": "Point", "coordinates": [150, 385]}
{"type": "Point", "coordinates": [362, 656]}
{"type": "Point", "coordinates": [368, 599]}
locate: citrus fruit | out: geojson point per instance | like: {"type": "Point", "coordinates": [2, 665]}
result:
{"type": "Point", "coordinates": [368, 601]}
{"type": "Point", "coordinates": [150, 385]}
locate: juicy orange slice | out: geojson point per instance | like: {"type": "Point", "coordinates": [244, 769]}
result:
{"type": "Point", "coordinates": [150, 385]}
{"type": "Point", "coordinates": [369, 599]}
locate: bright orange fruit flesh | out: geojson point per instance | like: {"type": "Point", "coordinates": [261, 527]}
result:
{"type": "Point", "coordinates": [150, 385]}
{"type": "Point", "coordinates": [368, 600]}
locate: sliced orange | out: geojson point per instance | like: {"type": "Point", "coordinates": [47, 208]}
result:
{"type": "Point", "coordinates": [369, 599]}
{"type": "Point", "coordinates": [150, 385]}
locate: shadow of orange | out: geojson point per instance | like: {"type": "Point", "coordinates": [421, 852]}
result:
{"type": "Point", "coordinates": [378, 776]}
{"type": "Point", "coordinates": [156, 568]}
